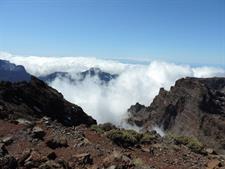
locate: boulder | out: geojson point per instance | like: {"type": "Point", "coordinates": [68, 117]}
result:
{"type": "Point", "coordinates": [84, 158]}
{"type": "Point", "coordinates": [57, 142]}
{"type": "Point", "coordinates": [38, 133]}
{"type": "Point", "coordinates": [8, 162]}
{"type": "Point", "coordinates": [52, 156]}
{"type": "Point", "coordinates": [3, 150]}
{"type": "Point", "coordinates": [7, 140]}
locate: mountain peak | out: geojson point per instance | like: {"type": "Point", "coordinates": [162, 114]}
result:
{"type": "Point", "coordinates": [13, 73]}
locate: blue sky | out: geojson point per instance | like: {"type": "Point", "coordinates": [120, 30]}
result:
{"type": "Point", "coordinates": [183, 31]}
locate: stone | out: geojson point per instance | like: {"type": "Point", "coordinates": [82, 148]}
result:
{"type": "Point", "coordinates": [64, 164]}
{"type": "Point", "coordinates": [38, 133]}
{"type": "Point", "coordinates": [8, 162]}
{"type": "Point", "coordinates": [84, 158]}
{"type": "Point", "coordinates": [23, 121]}
{"type": "Point", "coordinates": [57, 142]}
{"type": "Point", "coordinates": [24, 156]}
{"type": "Point", "coordinates": [112, 167]}
{"type": "Point", "coordinates": [210, 151]}
{"type": "Point", "coordinates": [3, 150]}
{"type": "Point", "coordinates": [52, 156]}
{"type": "Point", "coordinates": [7, 140]}
{"type": "Point", "coordinates": [50, 165]}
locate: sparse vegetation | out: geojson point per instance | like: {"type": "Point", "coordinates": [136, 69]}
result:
{"type": "Point", "coordinates": [101, 128]}
{"type": "Point", "coordinates": [124, 138]}
{"type": "Point", "coordinates": [147, 137]}
{"type": "Point", "coordinates": [97, 128]}
{"type": "Point", "coordinates": [191, 142]}
{"type": "Point", "coordinates": [138, 162]}
{"type": "Point", "coordinates": [107, 126]}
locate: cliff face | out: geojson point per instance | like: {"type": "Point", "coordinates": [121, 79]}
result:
{"type": "Point", "coordinates": [193, 107]}
{"type": "Point", "coordinates": [35, 99]}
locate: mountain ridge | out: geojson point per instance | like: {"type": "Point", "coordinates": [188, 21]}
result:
{"type": "Point", "coordinates": [192, 107]}
{"type": "Point", "coordinates": [13, 73]}
{"type": "Point", "coordinates": [104, 77]}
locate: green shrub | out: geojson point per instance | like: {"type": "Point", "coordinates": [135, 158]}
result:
{"type": "Point", "coordinates": [97, 128]}
{"type": "Point", "coordinates": [124, 138]}
{"type": "Point", "coordinates": [147, 138]}
{"type": "Point", "coordinates": [195, 145]}
{"type": "Point", "coordinates": [107, 126]}
{"type": "Point", "coordinates": [138, 162]}
{"type": "Point", "coordinates": [191, 142]}
{"type": "Point", "coordinates": [101, 128]}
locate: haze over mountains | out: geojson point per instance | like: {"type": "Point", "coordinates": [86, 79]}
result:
{"type": "Point", "coordinates": [135, 83]}
{"type": "Point", "coordinates": [101, 76]}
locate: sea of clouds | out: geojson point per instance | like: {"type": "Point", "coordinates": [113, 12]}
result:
{"type": "Point", "coordinates": [109, 103]}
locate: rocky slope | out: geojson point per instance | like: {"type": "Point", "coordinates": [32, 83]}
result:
{"type": "Point", "coordinates": [193, 107]}
{"type": "Point", "coordinates": [48, 144]}
{"type": "Point", "coordinates": [35, 99]}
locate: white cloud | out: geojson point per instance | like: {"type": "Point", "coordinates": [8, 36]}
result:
{"type": "Point", "coordinates": [136, 83]}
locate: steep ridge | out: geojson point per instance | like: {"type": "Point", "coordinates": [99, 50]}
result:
{"type": "Point", "coordinates": [193, 107]}
{"type": "Point", "coordinates": [36, 99]}
{"type": "Point", "coordinates": [25, 96]}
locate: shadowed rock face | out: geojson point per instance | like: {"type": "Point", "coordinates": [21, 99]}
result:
{"type": "Point", "coordinates": [36, 99]}
{"type": "Point", "coordinates": [13, 73]}
{"type": "Point", "coordinates": [193, 107]}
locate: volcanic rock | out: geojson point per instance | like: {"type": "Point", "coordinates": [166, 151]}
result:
{"type": "Point", "coordinates": [8, 162]}
{"type": "Point", "coordinates": [57, 142]}
{"type": "Point", "coordinates": [84, 158]}
{"type": "Point", "coordinates": [35, 99]}
{"type": "Point", "coordinates": [193, 107]}
{"type": "Point", "coordinates": [38, 132]}
{"type": "Point", "coordinates": [3, 150]}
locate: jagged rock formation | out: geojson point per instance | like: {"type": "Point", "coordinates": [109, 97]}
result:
{"type": "Point", "coordinates": [104, 77]}
{"type": "Point", "coordinates": [193, 107]}
{"type": "Point", "coordinates": [36, 99]}
{"type": "Point", "coordinates": [13, 73]}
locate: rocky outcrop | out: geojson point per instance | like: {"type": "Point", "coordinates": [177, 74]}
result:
{"type": "Point", "coordinates": [35, 99]}
{"type": "Point", "coordinates": [193, 107]}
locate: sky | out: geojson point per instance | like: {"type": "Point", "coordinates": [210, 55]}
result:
{"type": "Point", "coordinates": [181, 31]}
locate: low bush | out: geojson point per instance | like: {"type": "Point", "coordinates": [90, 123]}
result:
{"type": "Point", "coordinates": [148, 138]}
{"type": "Point", "coordinates": [124, 138]}
{"type": "Point", "coordinates": [191, 142]}
{"type": "Point", "coordinates": [97, 128]}
{"type": "Point", "coordinates": [101, 128]}
{"type": "Point", "coordinates": [138, 162]}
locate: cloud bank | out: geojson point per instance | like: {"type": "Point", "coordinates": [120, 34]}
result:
{"type": "Point", "coordinates": [109, 103]}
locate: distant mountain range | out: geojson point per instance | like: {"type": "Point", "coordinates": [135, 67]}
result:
{"type": "Point", "coordinates": [13, 73]}
{"type": "Point", "coordinates": [17, 73]}
{"type": "Point", "coordinates": [104, 77]}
